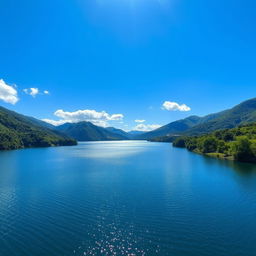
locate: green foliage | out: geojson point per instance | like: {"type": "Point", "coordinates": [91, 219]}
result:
{"type": "Point", "coordinates": [86, 131]}
{"type": "Point", "coordinates": [164, 139]}
{"type": "Point", "coordinates": [180, 142]}
{"type": "Point", "coordinates": [222, 146]}
{"type": "Point", "coordinates": [237, 143]}
{"type": "Point", "coordinates": [18, 131]}
{"type": "Point", "coordinates": [191, 144]}
{"type": "Point", "coordinates": [241, 114]}
{"type": "Point", "coordinates": [242, 150]}
{"type": "Point", "coordinates": [170, 130]}
{"type": "Point", "coordinates": [208, 144]}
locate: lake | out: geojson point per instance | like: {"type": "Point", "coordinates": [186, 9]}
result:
{"type": "Point", "coordinates": [125, 198]}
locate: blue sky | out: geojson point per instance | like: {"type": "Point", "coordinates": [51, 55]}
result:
{"type": "Point", "coordinates": [126, 57]}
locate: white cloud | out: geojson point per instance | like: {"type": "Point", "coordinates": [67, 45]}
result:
{"type": "Point", "coordinates": [114, 116]}
{"type": "Point", "coordinates": [35, 91]}
{"type": "Point", "coordinates": [8, 93]}
{"type": "Point", "coordinates": [146, 127]}
{"type": "Point", "coordinates": [97, 118]}
{"type": "Point", "coordinates": [139, 121]}
{"type": "Point", "coordinates": [173, 106]}
{"type": "Point", "coordinates": [87, 114]}
{"type": "Point", "coordinates": [54, 122]}
{"type": "Point", "coordinates": [32, 91]}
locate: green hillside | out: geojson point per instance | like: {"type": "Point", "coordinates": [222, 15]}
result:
{"type": "Point", "coordinates": [241, 114]}
{"type": "Point", "coordinates": [86, 131]}
{"type": "Point", "coordinates": [173, 128]}
{"type": "Point", "coordinates": [18, 131]}
{"type": "Point", "coordinates": [234, 144]}
{"type": "Point", "coordinates": [119, 132]}
{"type": "Point", "coordinates": [127, 135]}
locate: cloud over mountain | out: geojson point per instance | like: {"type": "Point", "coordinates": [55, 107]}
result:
{"type": "Point", "coordinates": [146, 127]}
{"type": "Point", "coordinates": [98, 118]}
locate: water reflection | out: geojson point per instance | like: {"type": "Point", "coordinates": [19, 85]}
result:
{"type": "Point", "coordinates": [109, 149]}
{"type": "Point", "coordinates": [125, 198]}
{"type": "Point", "coordinates": [243, 169]}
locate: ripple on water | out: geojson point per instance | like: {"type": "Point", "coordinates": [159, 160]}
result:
{"type": "Point", "coordinates": [115, 238]}
{"type": "Point", "coordinates": [139, 199]}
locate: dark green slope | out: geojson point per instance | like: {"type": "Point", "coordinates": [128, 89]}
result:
{"type": "Point", "coordinates": [234, 144]}
{"type": "Point", "coordinates": [173, 128]}
{"type": "Point", "coordinates": [86, 131]}
{"type": "Point", "coordinates": [241, 114]}
{"type": "Point", "coordinates": [127, 135]}
{"type": "Point", "coordinates": [120, 132]}
{"type": "Point", "coordinates": [40, 123]}
{"type": "Point", "coordinates": [18, 131]}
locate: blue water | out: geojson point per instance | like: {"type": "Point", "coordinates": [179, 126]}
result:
{"type": "Point", "coordinates": [125, 198]}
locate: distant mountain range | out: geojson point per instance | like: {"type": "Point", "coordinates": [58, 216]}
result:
{"type": "Point", "coordinates": [170, 129]}
{"type": "Point", "coordinates": [86, 131]}
{"type": "Point", "coordinates": [18, 131]}
{"type": "Point", "coordinates": [241, 114]}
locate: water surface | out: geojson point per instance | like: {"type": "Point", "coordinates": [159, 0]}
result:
{"type": "Point", "coordinates": [125, 198]}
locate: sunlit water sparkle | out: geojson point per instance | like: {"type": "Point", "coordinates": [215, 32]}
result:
{"type": "Point", "coordinates": [125, 198]}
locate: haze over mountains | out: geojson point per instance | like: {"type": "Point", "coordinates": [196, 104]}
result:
{"type": "Point", "coordinates": [19, 131]}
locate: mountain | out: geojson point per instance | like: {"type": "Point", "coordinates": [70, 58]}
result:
{"type": "Point", "coordinates": [41, 123]}
{"type": "Point", "coordinates": [86, 131]}
{"type": "Point", "coordinates": [133, 134]}
{"type": "Point", "coordinates": [19, 131]}
{"type": "Point", "coordinates": [173, 128]}
{"type": "Point", "coordinates": [241, 114]}
{"type": "Point", "coordinates": [128, 135]}
{"type": "Point", "coordinates": [120, 132]}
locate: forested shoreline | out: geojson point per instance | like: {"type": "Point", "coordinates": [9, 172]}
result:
{"type": "Point", "coordinates": [18, 131]}
{"type": "Point", "coordinates": [233, 144]}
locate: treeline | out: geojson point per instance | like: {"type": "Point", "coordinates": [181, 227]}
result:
{"type": "Point", "coordinates": [11, 140]}
{"type": "Point", "coordinates": [18, 131]}
{"type": "Point", "coordinates": [164, 139]}
{"type": "Point", "coordinates": [236, 144]}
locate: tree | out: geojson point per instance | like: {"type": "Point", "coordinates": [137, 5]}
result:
{"type": "Point", "coordinates": [222, 146]}
{"type": "Point", "coordinates": [253, 149]}
{"type": "Point", "coordinates": [180, 142]}
{"type": "Point", "coordinates": [228, 136]}
{"type": "Point", "coordinates": [242, 149]}
{"type": "Point", "coordinates": [191, 144]}
{"type": "Point", "coordinates": [209, 145]}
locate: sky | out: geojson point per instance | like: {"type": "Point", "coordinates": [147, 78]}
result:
{"type": "Point", "coordinates": [131, 64]}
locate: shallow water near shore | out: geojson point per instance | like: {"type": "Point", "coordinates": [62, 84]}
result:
{"type": "Point", "coordinates": [125, 198]}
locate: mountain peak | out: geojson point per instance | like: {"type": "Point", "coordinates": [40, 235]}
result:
{"type": "Point", "coordinates": [242, 113]}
